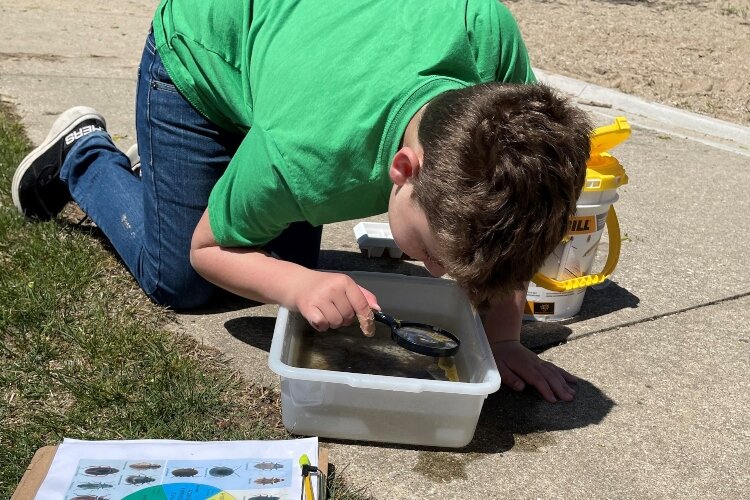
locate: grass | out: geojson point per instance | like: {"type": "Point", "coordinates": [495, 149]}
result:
{"type": "Point", "coordinates": [735, 10]}
{"type": "Point", "coordinates": [84, 354]}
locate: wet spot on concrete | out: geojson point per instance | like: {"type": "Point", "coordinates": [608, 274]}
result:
{"type": "Point", "coordinates": [444, 467]}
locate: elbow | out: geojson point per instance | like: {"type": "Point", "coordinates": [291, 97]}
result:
{"type": "Point", "coordinates": [198, 261]}
{"type": "Point", "coordinates": [195, 260]}
{"type": "Point", "coordinates": [200, 244]}
{"type": "Point", "coordinates": [198, 256]}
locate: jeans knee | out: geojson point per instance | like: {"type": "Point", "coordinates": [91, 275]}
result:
{"type": "Point", "coordinates": [186, 294]}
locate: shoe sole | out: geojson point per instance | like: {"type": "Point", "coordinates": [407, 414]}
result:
{"type": "Point", "coordinates": [64, 124]}
{"type": "Point", "coordinates": [133, 157]}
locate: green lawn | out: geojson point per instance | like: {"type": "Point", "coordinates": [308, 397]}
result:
{"type": "Point", "coordinates": [84, 354]}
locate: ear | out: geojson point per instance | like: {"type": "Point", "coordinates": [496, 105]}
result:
{"type": "Point", "coordinates": [404, 166]}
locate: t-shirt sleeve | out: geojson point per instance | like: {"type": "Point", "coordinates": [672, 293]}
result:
{"type": "Point", "coordinates": [497, 43]}
{"type": "Point", "coordinates": [251, 203]}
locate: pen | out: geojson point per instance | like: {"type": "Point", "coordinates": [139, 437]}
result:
{"type": "Point", "coordinates": [304, 462]}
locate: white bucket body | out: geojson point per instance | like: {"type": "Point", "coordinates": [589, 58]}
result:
{"type": "Point", "coordinates": [571, 259]}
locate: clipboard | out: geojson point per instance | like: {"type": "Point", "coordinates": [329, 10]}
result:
{"type": "Point", "coordinates": [40, 464]}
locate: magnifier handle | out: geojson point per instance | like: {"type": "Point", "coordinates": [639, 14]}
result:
{"type": "Point", "coordinates": [386, 319]}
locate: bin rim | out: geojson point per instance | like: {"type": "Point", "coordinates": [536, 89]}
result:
{"type": "Point", "coordinates": [490, 383]}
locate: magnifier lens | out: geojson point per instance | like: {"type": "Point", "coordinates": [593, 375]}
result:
{"type": "Point", "coordinates": [426, 337]}
{"type": "Point", "coordinates": [418, 337]}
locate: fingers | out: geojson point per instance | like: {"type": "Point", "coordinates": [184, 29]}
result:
{"type": "Point", "coordinates": [510, 379]}
{"type": "Point", "coordinates": [539, 382]}
{"type": "Point", "coordinates": [372, 301]}
{"type": "Point", "coordinates": [316, 318]}
{"type": "Point", "coordinates": [556, 382]}
{"type": "Point", "coordinates": [550, 383]}
{"type": "Point", "coordinates": [546, 378]}
{"type": "Point", "coordinates": [323, 316]}
{"type": "Point", "coordinates": [355, 294]}
{"type": "Point", "coordinates": [363, 302]}
{"type": "Point", "coordinates": [520, 367]}
{"type": "Point", "coordinates": [571, 379]}
{"type": "Point", "coordinates": [367, 323]}
{"type": "Point", "coordinates": [345, 310]}
{"type": "Point", "coordinates": [335, 300]}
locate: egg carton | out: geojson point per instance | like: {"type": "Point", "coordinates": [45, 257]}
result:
{"type": "Point", "coordinates": [375, 239]}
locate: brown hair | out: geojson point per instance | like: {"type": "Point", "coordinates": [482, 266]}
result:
{"type": "Point", "coordinates": [503, 167]}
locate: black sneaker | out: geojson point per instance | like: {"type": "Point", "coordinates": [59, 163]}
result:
{"type": "Point", "coordinates": [37, 189]}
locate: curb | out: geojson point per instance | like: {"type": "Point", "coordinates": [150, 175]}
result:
{"type": "Point", "coordinates": [658, 117]}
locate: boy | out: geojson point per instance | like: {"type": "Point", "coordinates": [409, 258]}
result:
{"type": "Point", "coordinates": [257, 122]}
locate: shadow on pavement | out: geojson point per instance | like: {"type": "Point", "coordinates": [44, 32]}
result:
{"type": "Point", "coordinates": [605, 299]}
{"type": "Point", "coordinates": [539, 336]}
{"type": "Point", "coordinates": [256, 331]}
{"type": "Point", "coordinates": [514, 421]}
{"type": "Point", "coordinates": [339, 260]}
{"type": "Point", "coordinates": [520, 420]}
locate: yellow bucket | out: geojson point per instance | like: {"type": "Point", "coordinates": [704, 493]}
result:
{"type": "Point", "coordinates": [556, 291]}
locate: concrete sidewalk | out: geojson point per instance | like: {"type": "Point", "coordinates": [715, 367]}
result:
{"type": "Point", "coordinates": [662, 352]}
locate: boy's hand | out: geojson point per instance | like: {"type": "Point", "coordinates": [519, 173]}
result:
{"type": "Point", "coordinates": [519, 366]}
{"type": "Point", "coordinates": [332, 300]}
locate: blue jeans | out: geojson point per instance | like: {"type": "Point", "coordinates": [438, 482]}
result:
{"type": "Point", "coordinates": [150, 219]}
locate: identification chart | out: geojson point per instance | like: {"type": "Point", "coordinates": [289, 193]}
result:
{"type": "Point", "coordinates": [177, 470]}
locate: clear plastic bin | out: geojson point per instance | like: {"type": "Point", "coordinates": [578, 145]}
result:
{"type": "Point", "coordinates": [367, 407]}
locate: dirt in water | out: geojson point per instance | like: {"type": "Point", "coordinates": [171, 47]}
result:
{"type": "Point", "coordinates": [348, 350]}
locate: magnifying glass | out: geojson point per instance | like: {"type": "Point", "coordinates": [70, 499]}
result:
{"type": "Point", "coordinates": [420, 337]}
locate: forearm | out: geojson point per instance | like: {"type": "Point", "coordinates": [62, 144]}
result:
{"type": "Point", "coordinates": [249, 272]}
{"type": "Point", "coordinates": [503, 320]}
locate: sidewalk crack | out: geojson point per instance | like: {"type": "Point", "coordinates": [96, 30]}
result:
{"type": "Point", "coordinates": [662, 315]}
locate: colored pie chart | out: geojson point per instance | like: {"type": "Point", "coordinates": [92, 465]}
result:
{"type": "Point", "coordinates": [177, 491]}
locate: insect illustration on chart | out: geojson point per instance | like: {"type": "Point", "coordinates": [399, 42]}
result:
{"type": "Point", "coordinates": [93, 486]}
{"type": "Point", "coordinates": [264, 497]}
{"type": "Point", "coordinates": [221, 471]}
{"type": "Point", "coordinates": [88, 497]}
{"type": "Point", "coordinates": [268, 480]}
{"type": "Point", "coordinates": [185, 472]}
{"type": "Point", "coordinates": [144, 466]}
{"type": "Point", "coordinates": [268, 466]}
{"type": "Point", "coordinates": [100, 470]}
{"type": "Point", "coordinates": [139, 479]}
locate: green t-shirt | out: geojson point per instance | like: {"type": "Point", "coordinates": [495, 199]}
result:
{"type": "Point", "coordinates": [323, 92]}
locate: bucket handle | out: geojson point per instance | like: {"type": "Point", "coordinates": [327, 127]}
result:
{"type": "Point", "coordinates": [615, 242]}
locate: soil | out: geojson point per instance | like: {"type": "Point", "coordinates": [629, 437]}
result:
{"type": "Point", "coordinates": [691, 54]}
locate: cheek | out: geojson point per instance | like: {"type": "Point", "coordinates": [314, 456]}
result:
{"type": "Point", "coordinates": [397, 233]}
{"type": "Point", "coordinates": [404, 241]}
{"type": "Point", "coordinates": [405, 245]}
